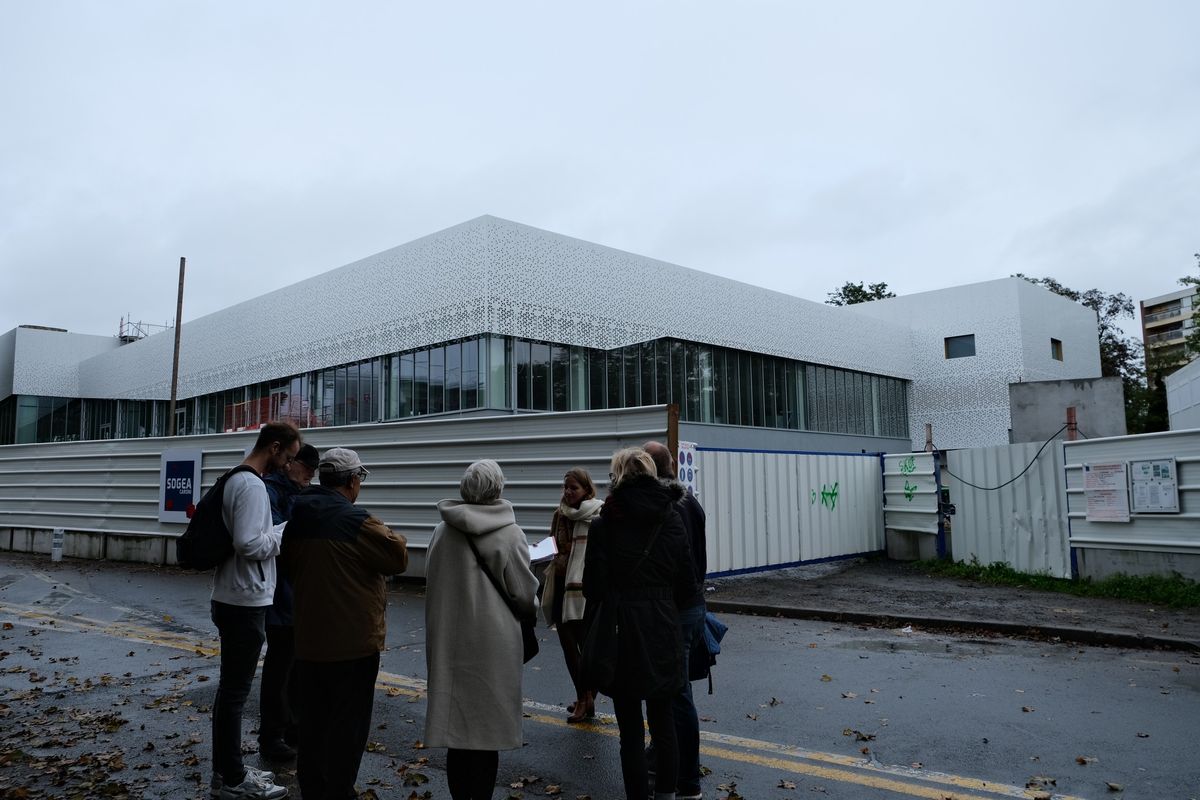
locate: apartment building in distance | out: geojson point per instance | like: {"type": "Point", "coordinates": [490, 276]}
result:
{"type": "Point", "coordinates": [1167, 320]}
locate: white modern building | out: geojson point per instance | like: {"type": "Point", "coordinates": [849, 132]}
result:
{"type": "Point", "coordinates": [492, 316]}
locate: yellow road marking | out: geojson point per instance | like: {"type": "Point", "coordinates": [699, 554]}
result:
{"type": "Point", "coordinates": [785, 758]}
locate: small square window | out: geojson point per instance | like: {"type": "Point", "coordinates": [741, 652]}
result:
{"type": "Point", "coordinates": [960, 346]}
{"type": "Point", "coordinates": [1056, 349]}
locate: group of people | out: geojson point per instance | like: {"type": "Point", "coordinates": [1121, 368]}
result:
{"type": "Point", "coordinates": [308, 579]}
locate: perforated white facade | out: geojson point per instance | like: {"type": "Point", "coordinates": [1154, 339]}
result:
{"type": "Point", "coordinates": [492, 276]}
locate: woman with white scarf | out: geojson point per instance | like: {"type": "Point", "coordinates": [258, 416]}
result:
{"type": "Point", "coordinates": [562, 602]}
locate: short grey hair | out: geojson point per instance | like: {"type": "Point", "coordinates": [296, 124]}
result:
{"type": "Point", "coordinates": [482, 482]}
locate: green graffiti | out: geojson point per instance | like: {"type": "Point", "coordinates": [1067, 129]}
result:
{"type": "Point", "coordinates": [828, 495]}
{"type": "Point", "coordinates": [908, 466]}
{"type": "Point", "coordinates": [910, 489]}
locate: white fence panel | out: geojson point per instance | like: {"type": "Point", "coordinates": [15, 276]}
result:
{"type": "Point", "coordinates": [910, 490]}
{"type": "Point", "coordinates": [102, 491]}
{"type": "Point", "coordinates": [769, 509]}
{"type": "Point", "coordinates": [1160, 542]}
{"type": "Point", "coordinates": [1022, 524]}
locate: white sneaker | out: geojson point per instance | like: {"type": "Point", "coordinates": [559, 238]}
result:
{"type": "Point", "coordinates": [214, 785]}
{"type": "Point", "coordinates": [253, 787]}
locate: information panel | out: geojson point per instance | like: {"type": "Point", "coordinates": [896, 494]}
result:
{"type": "Point", "coordinates": [1106, 490]}
{"type": "Point", "coordinates": [688, 467]}
{"type": "Point", "coordinates": [179, 484]}
{"type": "Point", "coordinates": [1153, 486]}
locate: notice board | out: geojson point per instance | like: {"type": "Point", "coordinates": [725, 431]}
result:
{"type": "Point", "coordinates": [1154, 486]}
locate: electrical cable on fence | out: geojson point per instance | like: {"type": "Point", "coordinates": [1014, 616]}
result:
{"type": "Point", "coordinates": [1014, 478]}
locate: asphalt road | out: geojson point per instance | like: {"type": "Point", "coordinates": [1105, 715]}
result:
{"type": "Point", "coordinates": [107, 672]}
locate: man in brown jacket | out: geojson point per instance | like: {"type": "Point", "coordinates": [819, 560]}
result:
{"type": "Point", "coordinates": [338, 557]}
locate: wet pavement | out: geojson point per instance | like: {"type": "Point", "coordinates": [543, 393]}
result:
{"type": "Point", "coordinates": [905, 685]}
{"type": "Point", "coordinates": [893, 594]}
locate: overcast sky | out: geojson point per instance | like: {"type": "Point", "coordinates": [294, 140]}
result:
{"type": "Point", "coordinates": [792, 145]}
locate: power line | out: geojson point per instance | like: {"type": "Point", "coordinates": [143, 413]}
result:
{"type": "Point", "coordinates": [1015, 477]}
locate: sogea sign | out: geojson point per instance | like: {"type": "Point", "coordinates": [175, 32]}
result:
{"type": "Point", "coordinates": [179, 485]}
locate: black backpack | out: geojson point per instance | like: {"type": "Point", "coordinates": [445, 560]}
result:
{"type": "Point", "coordinates": [207, 543]}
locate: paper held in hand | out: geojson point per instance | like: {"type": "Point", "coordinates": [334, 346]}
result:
{"type": "Point", "coordinates": [544, 550]}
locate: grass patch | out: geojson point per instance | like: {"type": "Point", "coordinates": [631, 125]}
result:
{"type": "Point", "coordinates": [1174, 592]}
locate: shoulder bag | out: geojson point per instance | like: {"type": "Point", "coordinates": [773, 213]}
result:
{"type": "Point", "coordinates": [529, 639]}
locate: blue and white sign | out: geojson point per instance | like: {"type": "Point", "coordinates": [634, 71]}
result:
{"type": "Point", "coordinates": [179, 484]}
{"type": "Point", "coordinates": [688, 467]}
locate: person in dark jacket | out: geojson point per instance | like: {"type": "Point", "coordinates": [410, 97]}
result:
{"type": "Point", "coordinates": [338, 557]}
{"type": "Point", "coordinates": [277, 705]}
{"type": "Point", "coordinates": [691, 629]}
{"type": "Point", "coordinates": [638, 561]}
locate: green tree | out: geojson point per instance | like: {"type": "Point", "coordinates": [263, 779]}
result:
{"type": "Point", "coordinates": [1121, 356]}
{"type": "Point", "coordinates": [1192, 343]}
{"type": "Point", "coordinates": [852, 293]}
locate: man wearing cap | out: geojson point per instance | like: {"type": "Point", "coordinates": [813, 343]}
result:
{"type": "Point", "coordinates": [338, 558]}
{"type": "Point", "coordinates": [277, 700]}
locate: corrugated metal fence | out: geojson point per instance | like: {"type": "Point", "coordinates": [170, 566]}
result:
{"type": "Point", "coordinates": [1171, 538]}
{"type": "Point", "coordinates": [110, 488]}
{"type": "Point", "coordinates": [771, 509]}
{"type": "Point", "coordinates": [1023, 524]}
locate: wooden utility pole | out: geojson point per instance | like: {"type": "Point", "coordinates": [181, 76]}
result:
{"type": "Point", "coordinates": [175, 360]}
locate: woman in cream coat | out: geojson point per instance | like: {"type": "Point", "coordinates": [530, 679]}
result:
{"type": "Point", "coordinates": [473, 650]}
{"type": "Point", "coordinates": [562, 602]}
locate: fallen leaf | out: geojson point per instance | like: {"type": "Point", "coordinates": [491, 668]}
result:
{"type": "Point", "coordinates": [1143, 735]}
{"type": "Point", "coordinates": [1085, 760]}
{"type": "Point", "coordinates": [1114, 787]}
{"type": "Point", "coordinates": [752, 716]}
{"type": "Point", "coordinates": [849, 695]}
{"type": "Point", "coordinates": [826, 678]}
{"type": "Point", "coordinates": [1027, 709]}
{"type": "Point", "coordinates": [553, 789]}
{"type": "Point", "coordinates": [787, 785]}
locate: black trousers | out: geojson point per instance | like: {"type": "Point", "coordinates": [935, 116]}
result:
{"type": "Point", "coordinates": [633, 744]}
{"type": "Point", "coordinates": [278, 699]}
{"type": "Point", "coordinates": [472, 773]}
{"type": "Point", "coordinates": [337, 698]}
{"type": "Point", "coordinates": [242, 631]}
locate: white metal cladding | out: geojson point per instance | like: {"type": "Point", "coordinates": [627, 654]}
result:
{"type": "Point", "coordinates": [1165, 533]}
{"type": "Point", "coordinates": [910, 492]}
{"type": "Point", "coordinates": [489, 275]}
{"type": "Point", "coordinates": [768, 509]}
{"type": "Point", "coordinates": [111, 486]}
{"type": "Point", "coordinates": [1023, 524]}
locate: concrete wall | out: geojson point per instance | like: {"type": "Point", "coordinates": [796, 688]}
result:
{"type": "Point", "coordinates": [1039, 408]}
{"type": "Point", "coordinates": [1183, 397]}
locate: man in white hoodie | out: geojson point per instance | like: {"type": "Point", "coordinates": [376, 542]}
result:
{"type": "Point", "coordinates": [243, 587]}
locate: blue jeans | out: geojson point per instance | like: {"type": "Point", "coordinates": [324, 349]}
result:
{"type": "Point", "coordinates": [243, 631]}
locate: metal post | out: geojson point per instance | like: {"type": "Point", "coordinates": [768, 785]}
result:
{"type": "Point", "coordinates": [1072, 427]}
{"type": "Point", "coordinates": [175, 360]}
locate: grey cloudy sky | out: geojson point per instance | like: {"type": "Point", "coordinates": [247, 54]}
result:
{"type": "Point", "coordinates": [792, 145]}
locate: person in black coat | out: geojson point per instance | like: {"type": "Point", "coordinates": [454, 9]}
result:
{"type": "Point", "coordinates": [638, 563]}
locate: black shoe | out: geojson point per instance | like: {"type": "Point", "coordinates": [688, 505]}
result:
{"type": "Point", "coordinates": [276, 750]}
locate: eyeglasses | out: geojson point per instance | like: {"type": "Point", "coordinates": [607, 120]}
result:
{"type": "Point", "coordinates": [361, 473]}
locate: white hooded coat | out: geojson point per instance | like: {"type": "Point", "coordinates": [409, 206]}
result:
{"type": "Point", "coordinates": [473, 642]}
